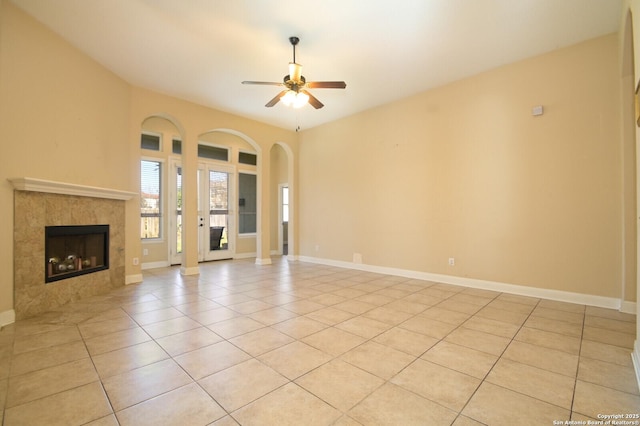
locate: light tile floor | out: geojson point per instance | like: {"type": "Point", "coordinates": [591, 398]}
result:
{"type": "Point", "coordinates": [304, 344]}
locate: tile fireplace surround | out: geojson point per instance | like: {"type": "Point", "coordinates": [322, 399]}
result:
{"type": "Point", "coordinates": [40, 203]}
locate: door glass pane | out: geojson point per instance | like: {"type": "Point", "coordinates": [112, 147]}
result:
{"type": "Point", "coordinates": [218, 210]}
{"type": "Point", "coordinates": [179, 210]}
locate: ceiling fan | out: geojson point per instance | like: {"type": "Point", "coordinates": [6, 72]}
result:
{"type": "Point", "coordinates": [295, 93]}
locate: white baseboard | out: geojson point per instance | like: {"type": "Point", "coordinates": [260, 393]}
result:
{"type": "Point", "coordinates": [635, 357]}
{"type": "Point", "coordinates": [194, 270]}
{"type": "Point", "coordinates": [244, 255]}
{"type": "Point", "coordinates": [558, 295]}
{"type": "Point", "coordinates": [265, 261]}
{"type": "Point", "coordinates": [7, 317]}
{"type": "Point", "coordinates": [154, 265]}
{"type": "Point", "coordinates": [133, 279]}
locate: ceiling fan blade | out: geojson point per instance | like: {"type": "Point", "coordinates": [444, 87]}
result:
{"type": "Point", "coordinates": [313, 100]}
{"type": "Point", "coordinates": [264, 83]}
{"type": "Point", "coordinates": [276, 99]}
{"type": "Point", "coordinates": [326, 85]}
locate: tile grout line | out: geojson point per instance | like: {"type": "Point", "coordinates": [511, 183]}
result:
{"type": "Point", "coordinates": [113, 411]}
{"type": "Point", "coordinates": [575, 382]}
{"type": "Point", "coordinates": [498, 358]}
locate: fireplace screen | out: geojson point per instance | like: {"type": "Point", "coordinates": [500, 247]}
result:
{"type": "Point", "coordinates": [75, 250]}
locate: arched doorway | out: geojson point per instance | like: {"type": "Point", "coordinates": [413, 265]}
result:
{"type": "Point", "coordinates": [159, 142]}
{"type": "Point", "coordinates": [227, 164]}
{"type": "Point", "coordinates": [283, 194]}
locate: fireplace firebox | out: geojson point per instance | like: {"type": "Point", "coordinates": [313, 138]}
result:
{"type": "Point", "coordinates": [75, 250]}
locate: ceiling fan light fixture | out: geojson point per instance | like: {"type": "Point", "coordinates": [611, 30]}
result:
{"type": "Point", "coordinates": [295, 100]}
{"type": "Point", "coordinates": [301, 100]}
{"type": "Point", "coordinates": [288, 98]}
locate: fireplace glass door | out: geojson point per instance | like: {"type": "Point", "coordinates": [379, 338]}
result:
{"type": "Point", "coordinates": [75, 250]}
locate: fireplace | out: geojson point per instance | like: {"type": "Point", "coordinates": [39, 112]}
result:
{"type": "Point", "coordinates": [39, 204]}
{"type": "Point", "coordinates": [75, 250]}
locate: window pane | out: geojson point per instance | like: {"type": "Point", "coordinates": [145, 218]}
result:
{"type": "Point", "coordinates": [150, 199]}
{"type": "Point", "coordinates": [151, 142]}
{"type": "Point", "coordinates": [247, 204]}
{"type": "Point", "coordinates": [213, 152]}
{"type": "Point", "coordinates": [176, 146]}
{"type": "Point", "coordinates": [246, 158]}
{"type": "Point", "coordinates": [285, 204]}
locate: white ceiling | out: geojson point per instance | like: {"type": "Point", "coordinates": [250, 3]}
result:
{"type": "Point", "coordinates": [201, 50]}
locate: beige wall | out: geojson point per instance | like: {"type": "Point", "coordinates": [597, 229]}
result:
{"type": "Point", "coordinates": [63, 118]}
{"type": "Point", "coordinates": [466, 171]}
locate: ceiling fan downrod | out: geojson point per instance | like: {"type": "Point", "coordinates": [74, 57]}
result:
{"type": "Point", "coordinates": [294, 41]}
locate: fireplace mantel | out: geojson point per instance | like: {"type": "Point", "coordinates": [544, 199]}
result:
{"type": "Point", "coordinates": [41, 185]}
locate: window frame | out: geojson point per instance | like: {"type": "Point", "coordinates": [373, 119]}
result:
{"type": "Point", "coordinates": [211, 145]}
{"type": "Point", "coordinates": [254, 233]}
{"type": "Point", "coordinates": [173, 146]}
{"type": "Point", "coordinates": [162, 164]}
{"type": "Point", "coordinates": [243, 151]}
{"type": "Point", "coordinates": [148, 133]}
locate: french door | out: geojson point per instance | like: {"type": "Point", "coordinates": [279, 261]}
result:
{"type": "Point", "coordinates": [216, 219]}
{"type": "Point", "coordinates": [216, 216]}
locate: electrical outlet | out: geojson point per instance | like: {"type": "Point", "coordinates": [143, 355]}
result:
{"type": "Point", "coordinates": [145, 252]}
{"type": "Point", "coordinates": [452, 261]}
{"type": "Point", "coordinates": [136, 261]}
